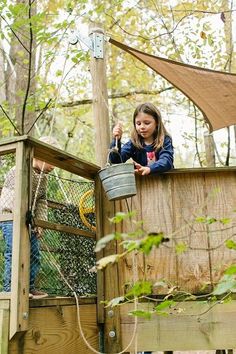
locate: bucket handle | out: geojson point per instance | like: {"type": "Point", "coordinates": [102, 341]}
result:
{"type": "Point", "coordinates": [116, 150]}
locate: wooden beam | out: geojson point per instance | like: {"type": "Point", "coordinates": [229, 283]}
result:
{"type": "Point", "coordinates": [100, 102]}
{"type": "Point", "coordinates": [55, 330]}
{"type": "Point", "coordinates": [64, 228]}
{"type": "Point", "coordinates": [54, 156]}
{"type": "Point", "coordinates": [6, 217]}
{"type": "Point", "coordinates": [113, 340]}
{"type": "Point", "coordinates": [4, 325]}
{"type": "Point", "coordinates": [197, 326]}
{"type": "Point", "coordinates": [19, 311]}
{"type": "Point", "coordinates": [99, 235]}
{"type": "Point", "coordinates": [7, 149]}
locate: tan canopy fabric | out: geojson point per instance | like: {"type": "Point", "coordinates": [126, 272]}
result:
{"type": "Point", "coordinates": [213, 92]}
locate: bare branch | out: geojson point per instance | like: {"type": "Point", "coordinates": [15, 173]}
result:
{"type": "Point", "coordinates": [29, 69]}
{"type": "Point", "coordinates": [15, 34]}
{"type": "Point", "coordinates": [43, 110]}
{"type": "Point", "coordinates": [115, 96]}
{"type": "Point", "coordinates": [10, 120]}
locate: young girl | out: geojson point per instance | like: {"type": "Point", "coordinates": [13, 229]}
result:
{"type": "Point", "coordinates": [150, 145]}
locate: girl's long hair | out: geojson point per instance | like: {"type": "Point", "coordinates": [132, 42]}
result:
{"type": "Point", "coordinates": [160, 132]}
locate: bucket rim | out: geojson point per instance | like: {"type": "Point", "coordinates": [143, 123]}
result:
{"type": "Point", "coordinates": [116, 165]}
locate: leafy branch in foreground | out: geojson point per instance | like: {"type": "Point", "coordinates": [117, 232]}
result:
{"type": "Point", "coordinates": [138, 240]}
{"type": "Point", "coordinates": [170, 299]}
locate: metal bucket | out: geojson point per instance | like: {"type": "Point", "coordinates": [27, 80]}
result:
{"type": "Point", "coordinates": [118, 181]}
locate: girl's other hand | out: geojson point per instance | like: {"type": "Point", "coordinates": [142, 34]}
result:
{"type": "Point", "coordinates": [141, 170]}
{"type": "Point", "coordinates": [117, 131]}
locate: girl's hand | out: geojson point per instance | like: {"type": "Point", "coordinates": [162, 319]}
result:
{"type": "Point", "coordinates": [117, 131]}
{"type": "Point", "coordinates": [141, 170]}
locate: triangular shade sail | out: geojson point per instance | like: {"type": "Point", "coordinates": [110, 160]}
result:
{"type": "Point", "coordinates": [213, 92]}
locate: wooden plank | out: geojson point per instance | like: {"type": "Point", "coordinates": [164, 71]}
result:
{"type": "Point", "coordinates": [63, 159]}
{"type": "Point", "coordinates": [57, 157]}
{"type": "Point", "coordinates": [221, 197]}
{"type": "Point", "coordinates": [99, 235]}
{"type": "Point", "coordinates": [130, 267]}
{"type": "Point", "coordinates": [157, 214]}
{"type": "Point", "coordinates": [61, 301]}
{"type": "Point", "coordinates": [64, 228]}
{"type": "Point", "coordinates": [200, 170]}
{"type": "Point", "coordinates": [6, 217]}
{"type": "Point", "coordinates": [55, 330]}
{"type": "Point", "coordinates": [21, 245]}
{"type": "Point", "coordinates": [189, 202]}
{"type": "Point", "coordinates": [111, 283]}
{"type": "Point", "coordinates": [7, 148]}
{"type": "Point", "coordinates": [200, 326]}
{"type": "Point", "coordinates": [4, 326]}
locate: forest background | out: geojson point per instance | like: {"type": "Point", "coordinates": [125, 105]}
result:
{"type": "Point", "coordinates": [46, 83]}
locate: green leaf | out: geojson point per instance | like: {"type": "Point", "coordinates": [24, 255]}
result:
{"type": "Point", "coordinates": [164, 305]}
{"type": "Point", "coordinates": [181, 248]}
{"type": "Point", "coordinates": [141, 313]}
{"type": "Point", "coordinates": [205, 220]}
{"type": "Point", "coordinates": [231, 270]}
{"type": "Point", "coordinates": [225, 221]}
{"type": "Point", "coordinates": [226, 284]}
{"type": "Point", "coordinates": [103, 242]}
{"type": "Point", "coordinates": [140, 288]}
{"type": "Point", "coordinates": [120, 216]}
{"type": "Point", "coordinates": [230, 244]}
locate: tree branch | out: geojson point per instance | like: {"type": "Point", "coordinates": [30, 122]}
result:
{"type": "Point", "coordinates": [114, 96]}
{"type": "Point", "coordinates": [9, 119]}
{"type": "Point", "coordinates": [14, 34]}
{"type": "Point", "coordinates": [29, 70]}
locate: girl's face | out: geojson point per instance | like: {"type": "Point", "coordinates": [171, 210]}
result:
{"type": "Point", "coordinates": [145, 126]}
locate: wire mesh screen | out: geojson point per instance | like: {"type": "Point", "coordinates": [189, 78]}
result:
{"type": "Point", "coordinates": [66, 261]}
{"type": "Point", "coordinates": [62, 252]}
{"type": "Point", "coordinates": [70, 203]}
{"type": "Point", "coordinates": [7, 163]}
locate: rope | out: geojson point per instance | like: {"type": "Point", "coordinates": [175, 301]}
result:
{"type": "Point", "coordinates": [53, 262]}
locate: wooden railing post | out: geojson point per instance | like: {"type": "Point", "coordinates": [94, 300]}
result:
{"type": "Point", "coordinates": [19, 308]}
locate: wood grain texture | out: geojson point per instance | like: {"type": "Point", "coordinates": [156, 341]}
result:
{"type": "Point", "coordinates": [175, 204]}
{"type": "Point", "coordinates": [19, 308]}
{"type": "Point", "coordinates": [4, 325]}
{"type": "Point", "coordinates": [55, 330]}
{"type": "Point", "coordinates": [198, 327]}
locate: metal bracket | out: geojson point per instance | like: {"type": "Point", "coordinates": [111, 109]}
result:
{"type": "Point", "coordinates": [95, 42]}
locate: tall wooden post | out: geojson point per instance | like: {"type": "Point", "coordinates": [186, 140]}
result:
{"type": "Point", "coordinates": [209, 149]}
{"type": "Point", "coordinates": [100, 100]}
{"type": "Point", "coordinates": [108, 281]}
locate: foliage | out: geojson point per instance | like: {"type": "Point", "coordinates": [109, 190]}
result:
{"type": "Point", "coordinates": [138, 241]}
{"type": "Point", "coordinates": [134, 241]}
{"type": "Point", "coordinates": [186, 32]}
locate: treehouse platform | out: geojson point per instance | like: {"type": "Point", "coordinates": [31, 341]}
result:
{"type": "Point", "coordinates": [193, 208]}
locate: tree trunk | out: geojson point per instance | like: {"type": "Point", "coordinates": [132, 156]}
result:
{"type": "Point", "coordinates": [20, 92]}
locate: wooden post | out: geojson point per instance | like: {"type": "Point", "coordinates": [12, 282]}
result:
{"type": "Point", "coordinates": [209, 149]}
{"type": "Point", "coordinates": [19, 309]}
{"type": "Point", "coordinates": [4, 325]}
{"type": "Point", "coordinates": [109, 289]}
{"type": "Point", "coordinates": [100, 104]}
